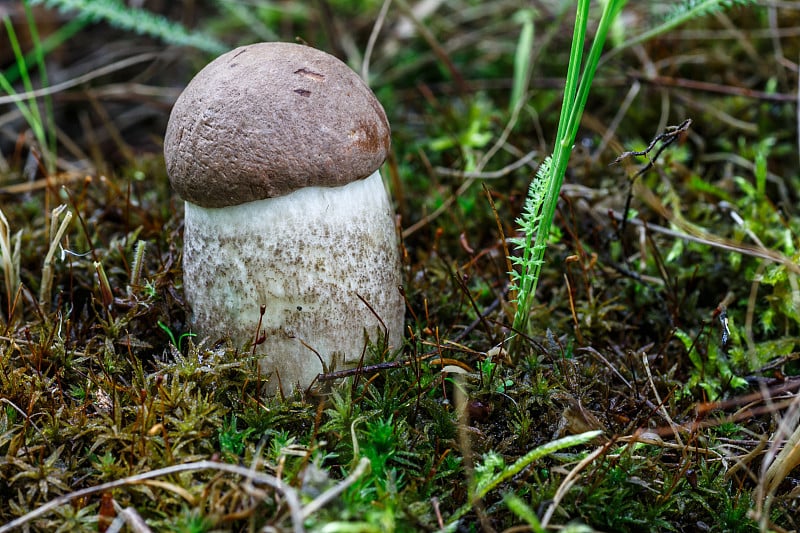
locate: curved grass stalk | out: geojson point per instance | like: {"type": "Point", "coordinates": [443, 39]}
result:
{"type": "Point", "coordinates": [485, 486]}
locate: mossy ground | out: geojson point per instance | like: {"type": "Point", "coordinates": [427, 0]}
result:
{"type": "Point", "coordinates": [100, 381]}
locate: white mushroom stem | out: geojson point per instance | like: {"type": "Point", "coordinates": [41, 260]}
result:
{"type": "Point", "coordinates": [306, 257]}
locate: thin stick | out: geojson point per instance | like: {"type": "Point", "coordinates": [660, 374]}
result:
{"type": "Point", "coordinates": [663, 409]}
{"type": "Point", "coordinates": [702, 237]}
{"type": "Point", "coordinates": [373, 37]}
{"type": "Point", "coordinates": [287, 491]}
{"type": "Point", "coordinates": [80, 80]}
{"type": "Point", "coordinates": [505, 171]}
{"type": "Point", "coordinates": [569, 481]}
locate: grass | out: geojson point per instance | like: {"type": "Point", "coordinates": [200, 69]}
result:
{"type": "Point", "coordinates": [543, 195]}
{"type": "Point", "coordinates": [654, 390]}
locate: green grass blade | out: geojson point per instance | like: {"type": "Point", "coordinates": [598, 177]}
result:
{"type": "Point", "coordinates": [29, 110]}
{"type": "Point", "coordinates": [576, 94]}
{"type": "Point", "coordinates": [573, 69]}
{"type": "Point", "coordinates": [50, 43]}
{"type": "Point", "coordinates": [522, 58]}
{"type": "Point", "coordinates": [48, 144]}
{"type": "Point", "coordinates": [610, 12]}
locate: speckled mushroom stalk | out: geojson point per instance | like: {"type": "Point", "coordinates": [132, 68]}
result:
{"type": "Point", "coordinates": [275, 149]}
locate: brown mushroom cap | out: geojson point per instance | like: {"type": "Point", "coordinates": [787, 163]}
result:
{"type": "Point", "coordinates": [266, 119]}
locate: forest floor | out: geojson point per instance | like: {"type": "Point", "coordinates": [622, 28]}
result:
{"type": "Point", "coordinates": [667, 314]}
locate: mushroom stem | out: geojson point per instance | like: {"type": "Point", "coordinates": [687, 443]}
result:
{"type": "Point", "coordinates": [307, 257]}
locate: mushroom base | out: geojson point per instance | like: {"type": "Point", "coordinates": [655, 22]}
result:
{"type": "Point", "coordinates": [306, 258]}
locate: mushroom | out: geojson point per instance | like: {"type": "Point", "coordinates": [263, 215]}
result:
{"type": "Point", "coordinates": [289, 241]}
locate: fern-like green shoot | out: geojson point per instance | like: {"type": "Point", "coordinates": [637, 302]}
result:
{"type": "Point", "coordinates": [528, 260]}
{"type": "Point", "coordinates": [143, 22]}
